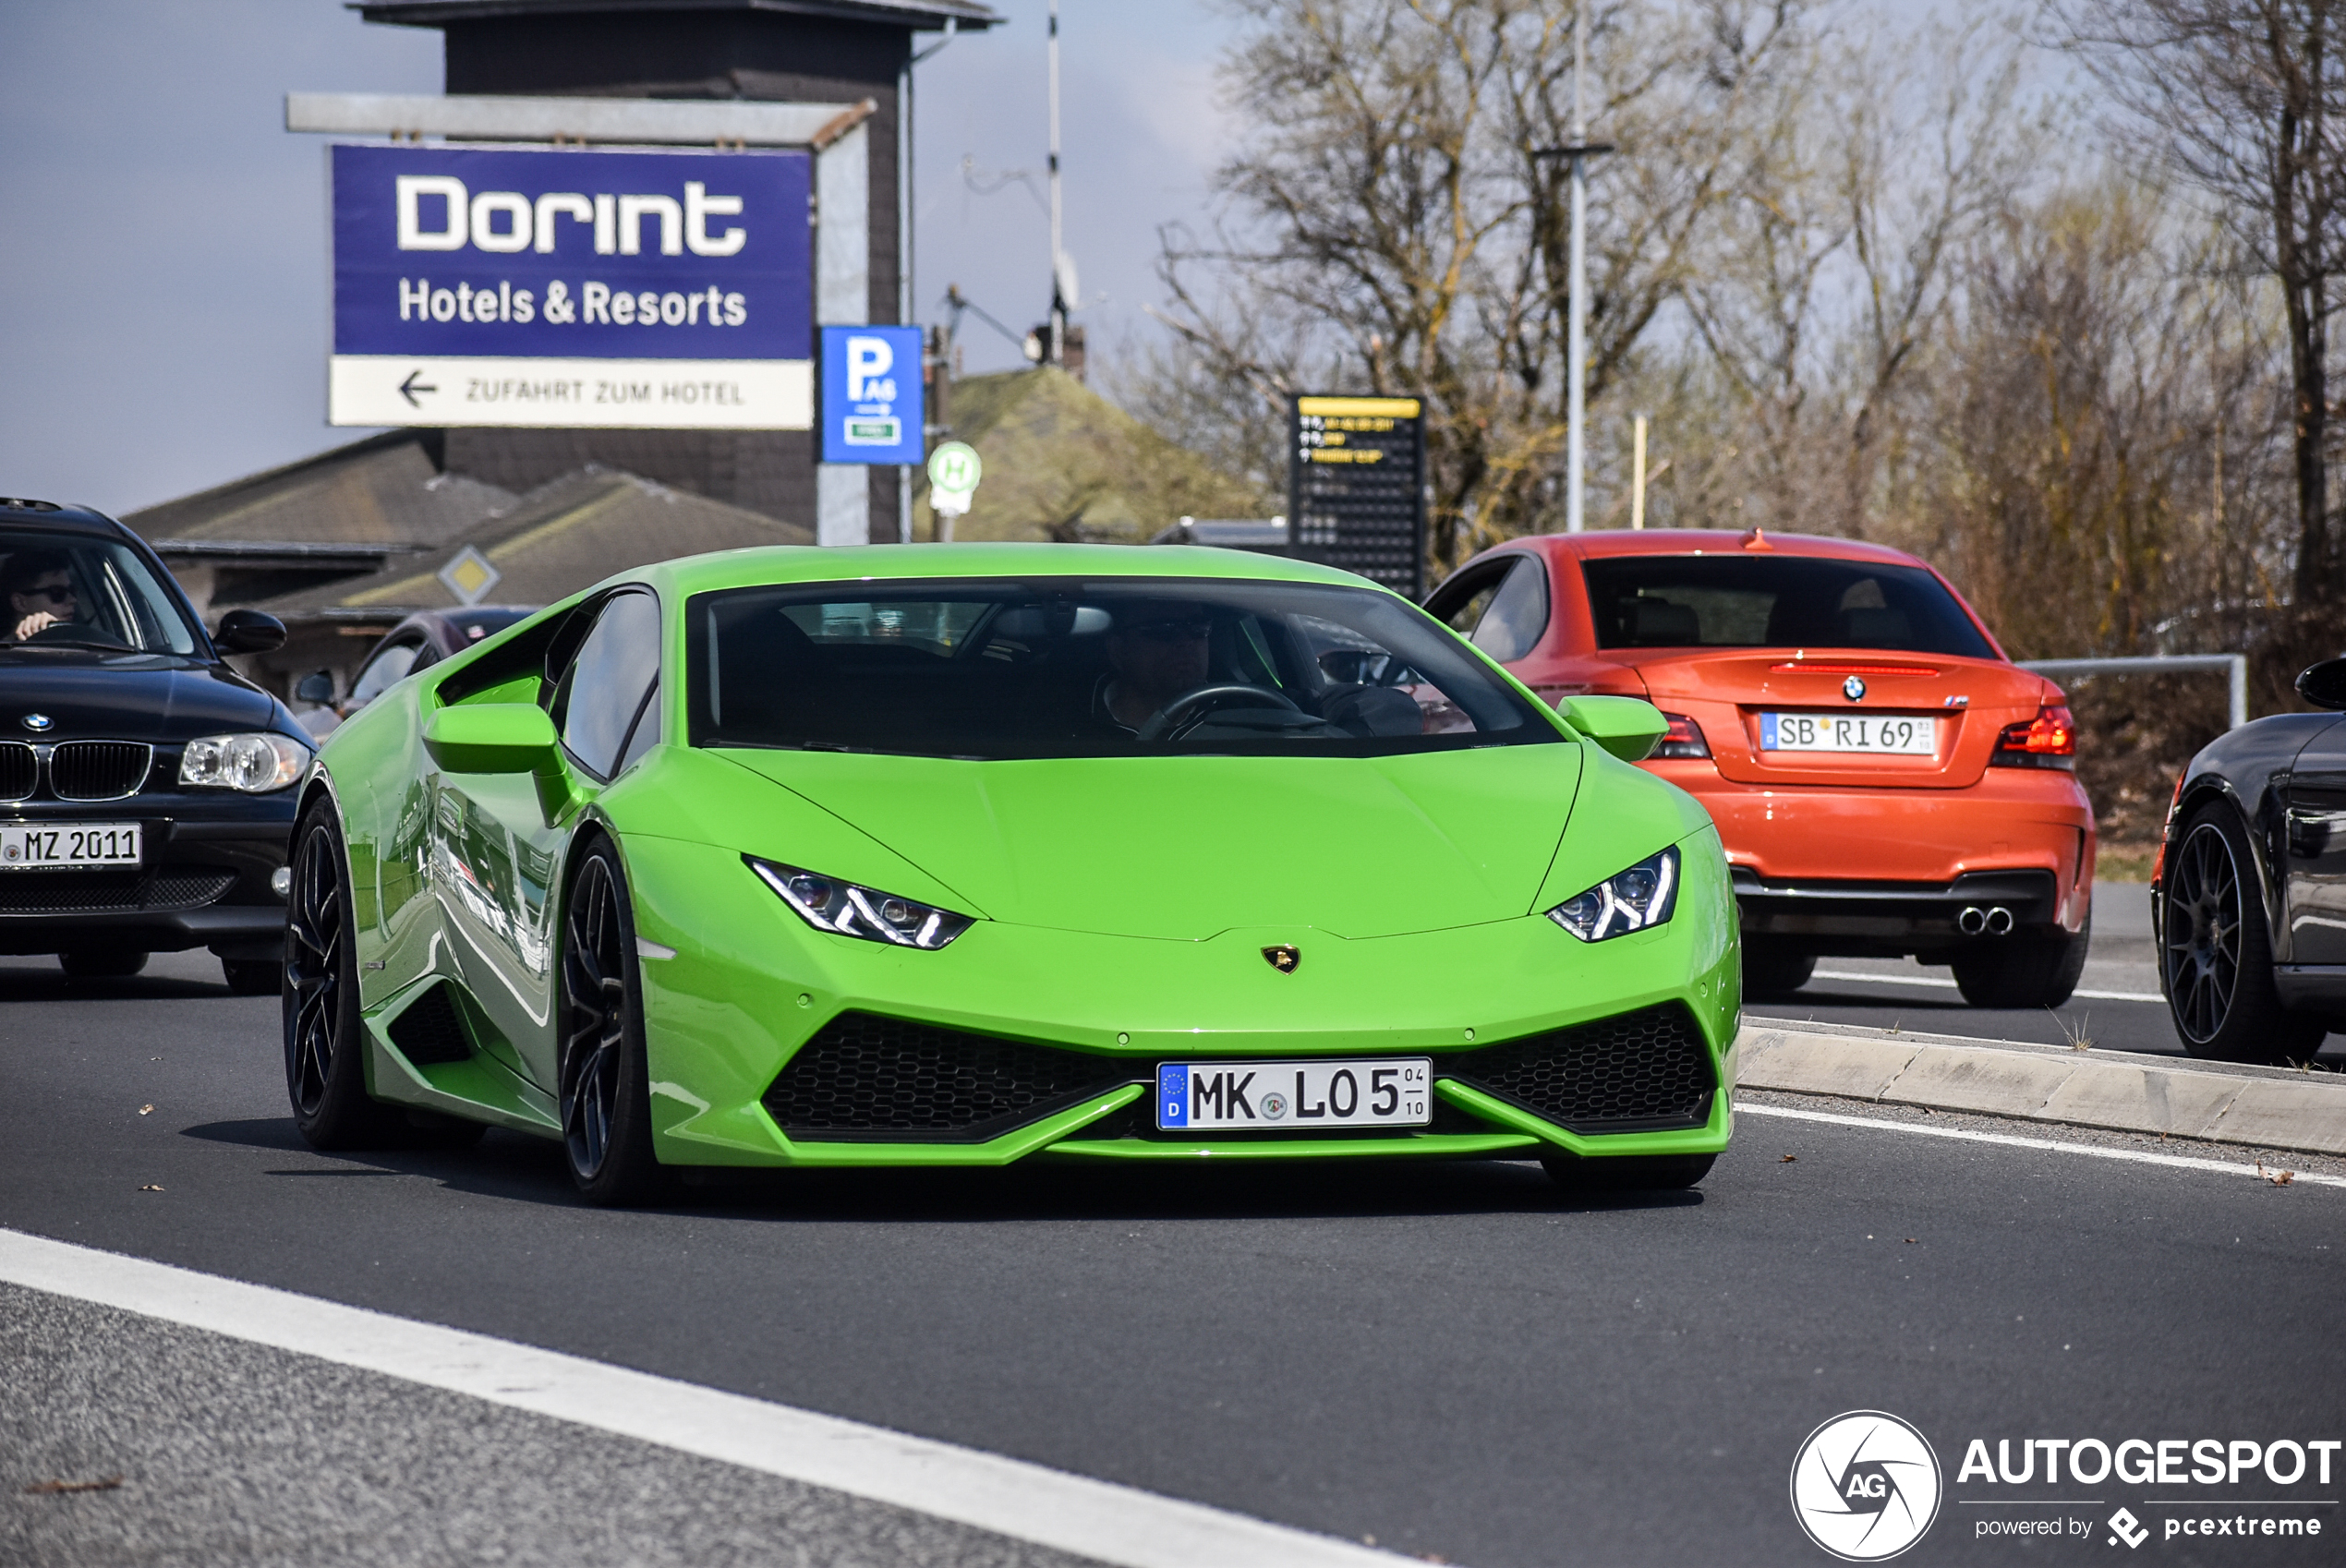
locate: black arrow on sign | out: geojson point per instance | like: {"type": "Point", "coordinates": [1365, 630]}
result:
{"type": "Point", "coordinates": [408, 389]}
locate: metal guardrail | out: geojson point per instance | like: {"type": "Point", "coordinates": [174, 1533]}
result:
{"type": "Point", "coordinates": [2154, 663]}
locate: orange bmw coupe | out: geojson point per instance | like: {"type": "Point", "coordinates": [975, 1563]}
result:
{"type": "Point", "coordinates": [1887, 782]}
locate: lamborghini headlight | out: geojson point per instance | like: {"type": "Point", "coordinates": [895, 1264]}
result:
{"type": "Point", "coordinates": [1635, 900]}
{"type": "Point", "coordinates": [827, 904]}
{"type": "Point", "coordinates": [255, 764]}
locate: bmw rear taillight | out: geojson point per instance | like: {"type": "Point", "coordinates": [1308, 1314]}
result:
{"type": "Point", "coordinates": [1685, 739]}
{"type": "Point", "coordinates": [2048, 741]}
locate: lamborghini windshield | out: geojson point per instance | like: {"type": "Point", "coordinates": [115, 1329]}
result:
{"type": "Point", "coordinates": [1002, 669]}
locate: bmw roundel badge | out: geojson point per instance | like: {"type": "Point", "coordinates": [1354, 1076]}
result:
{"type": "Point", "coordinates": [38, 722]}
{"type": "Point", "coordinates": [1283, 957]}
{"type": "Point", "coordinates": [1854, 689]}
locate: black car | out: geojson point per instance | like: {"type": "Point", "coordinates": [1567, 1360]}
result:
{"type": "Point", "coordinates": [147, 790]}
{"type": "Point", "coordinates": [2249, 899]}
{"type": "Point", "coordinates": [417, 643]}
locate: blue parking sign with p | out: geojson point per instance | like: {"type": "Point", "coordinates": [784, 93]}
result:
{"type": "Point", "coordinates": [872, 409]}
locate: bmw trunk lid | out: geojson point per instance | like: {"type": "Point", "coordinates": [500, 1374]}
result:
{"type": "Point", "coordinates": [1187, 846]}
{"type": "Point", "coordinates": [1765, 712]}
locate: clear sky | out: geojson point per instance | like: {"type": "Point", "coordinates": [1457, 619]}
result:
{"type": "Point", "coordinates": [163, 317]}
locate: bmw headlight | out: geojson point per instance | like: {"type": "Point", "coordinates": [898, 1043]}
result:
{"type": "Point", "coordinates": [255, 764]}
{"type": "Point", "coordinates": [1635, 900]}
{"type": "Point", "coordinates": [827, 904]}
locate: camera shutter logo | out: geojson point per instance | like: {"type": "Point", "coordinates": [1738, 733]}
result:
{"type": "Point", "coordinates": [1866, 1486]}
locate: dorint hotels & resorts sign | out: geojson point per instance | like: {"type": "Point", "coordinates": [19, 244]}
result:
{"type": "Point", "coordinates": [641, 289]}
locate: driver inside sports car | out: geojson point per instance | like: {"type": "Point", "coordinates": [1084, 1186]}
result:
{"type": "Point", "coordinates": [38, 587]}
{"type": "Point", "coordinates": [1156, 651]}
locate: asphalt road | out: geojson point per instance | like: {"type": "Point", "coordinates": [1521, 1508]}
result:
{"type": "Point", "coordinates": [1454, 1361]}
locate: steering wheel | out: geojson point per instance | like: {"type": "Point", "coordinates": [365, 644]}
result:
{"type": "Point", "coordinates": [77, 632]}
{"type": "Point", "coordinates": [1197, 702]}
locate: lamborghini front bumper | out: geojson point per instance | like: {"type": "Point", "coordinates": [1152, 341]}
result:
{"type": "Point", "coordinates": [738, 1021]}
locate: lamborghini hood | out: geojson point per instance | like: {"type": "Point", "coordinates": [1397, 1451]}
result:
{"type": "Point", "coordinates": [1187, 846]}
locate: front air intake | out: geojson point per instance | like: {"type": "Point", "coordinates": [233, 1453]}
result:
{"type": "Point", "coordinates": [428, 1031]}
{"type": "Point", "coordinates": [98, 770]}
{"type": "Point", "coordinates": [112, 892]}
{"type": "Point", "coordinates": [865, 1077]}
{"type": "Point", "coordinates": [1646, 1071]}
{"type": "Point", "coordinates": [19, 771]}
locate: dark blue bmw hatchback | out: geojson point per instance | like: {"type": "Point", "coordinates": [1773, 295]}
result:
{"type": "Point", "coordinates": [147, 790]}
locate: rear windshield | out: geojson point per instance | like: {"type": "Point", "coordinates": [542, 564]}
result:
{"type": "Point", "coordinates": [1674, 601]}
{"type": "Point", "coordinates": [1000, 669]}
{"type": "Point", "coordinates": [72, 591]}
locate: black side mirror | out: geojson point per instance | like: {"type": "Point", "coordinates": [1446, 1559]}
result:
{"type": "Point", "coordinates": [317, 687]}
{"type": "Point", "coordinates": [249, 631]}
{"type": "Point", "coordinates": [2325, 685]}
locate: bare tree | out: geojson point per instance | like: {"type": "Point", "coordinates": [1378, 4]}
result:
{"type": "Point", "coordinates": [1391, 222]}
{"type": "Point", "coordinates": [2239, 97]}
{"type": "Point", "coordinates": [1840, 253]}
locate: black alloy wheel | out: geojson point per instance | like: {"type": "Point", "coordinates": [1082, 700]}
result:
{"type": "Point", "coordinates": [2215, 960]}
{"type": "Point", "coordinates": [325, 1052]}
{"type": "Point", "coordinates": [606, 1102]}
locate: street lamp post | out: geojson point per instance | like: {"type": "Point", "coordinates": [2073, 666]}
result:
{"type": "Point", "coordinates": [1577, 341]}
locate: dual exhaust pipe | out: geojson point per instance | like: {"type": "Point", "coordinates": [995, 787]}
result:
{"type": "Point", "coordinates": [1993, 921]}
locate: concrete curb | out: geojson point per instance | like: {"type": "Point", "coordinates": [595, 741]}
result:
{"type": "Point", "coordinates": [2263, 1107]}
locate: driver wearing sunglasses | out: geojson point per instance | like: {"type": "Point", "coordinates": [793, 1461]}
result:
{"type": "Point", "coordinates": [1157, 652]}
{"type": "Point", "coordinates": [39, 590]}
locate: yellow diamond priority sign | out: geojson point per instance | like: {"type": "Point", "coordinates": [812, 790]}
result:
{"type": "Point", "coordinates": [469, 576]}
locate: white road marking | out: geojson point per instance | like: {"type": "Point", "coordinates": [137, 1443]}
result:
{"type": "Point", "coordinates": [1012, 1496]}
{"type": "Point", "coordinates": [1937, 984]}
{"type": "Point", "coordinates": [2181, 1162]}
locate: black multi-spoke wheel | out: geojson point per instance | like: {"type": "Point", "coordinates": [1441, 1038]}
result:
{"type": "Point", "coordinates": [2216, 956]}
{"type": "Point", "coordinates": [606, 1104]}
{"type": "Point", "coordinates": [325, 1056]}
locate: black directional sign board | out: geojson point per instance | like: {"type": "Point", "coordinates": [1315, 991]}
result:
{"type": "Point", "coordinates": [1356, 487]}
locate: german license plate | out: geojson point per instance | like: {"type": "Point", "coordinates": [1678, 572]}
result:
{"type": "Point", "coordinates": [82, 846]}
{"type": "Point", "coordinates": [1295, 1096]}
{"type": "Point", "coordinates": [1887, 735]}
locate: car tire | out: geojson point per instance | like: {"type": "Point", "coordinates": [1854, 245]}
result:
{"type": "Point", "coordinates": [2024, 972]}
{"type": "Point", "coordinates": [1623, 1172]}
{"type": "Point", "coordinates": [325, 1043]}
{"type": "Point", "coordinates": [102, 965]}
{"type": "Point", "coordinates": [2216, 955]}
{"type": "Point", "coordinates": [253, 977]}
{"type": "Point", "coordinates": [1772, 970]}
{"type": "Point", "coordinates": [605, 1096]}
